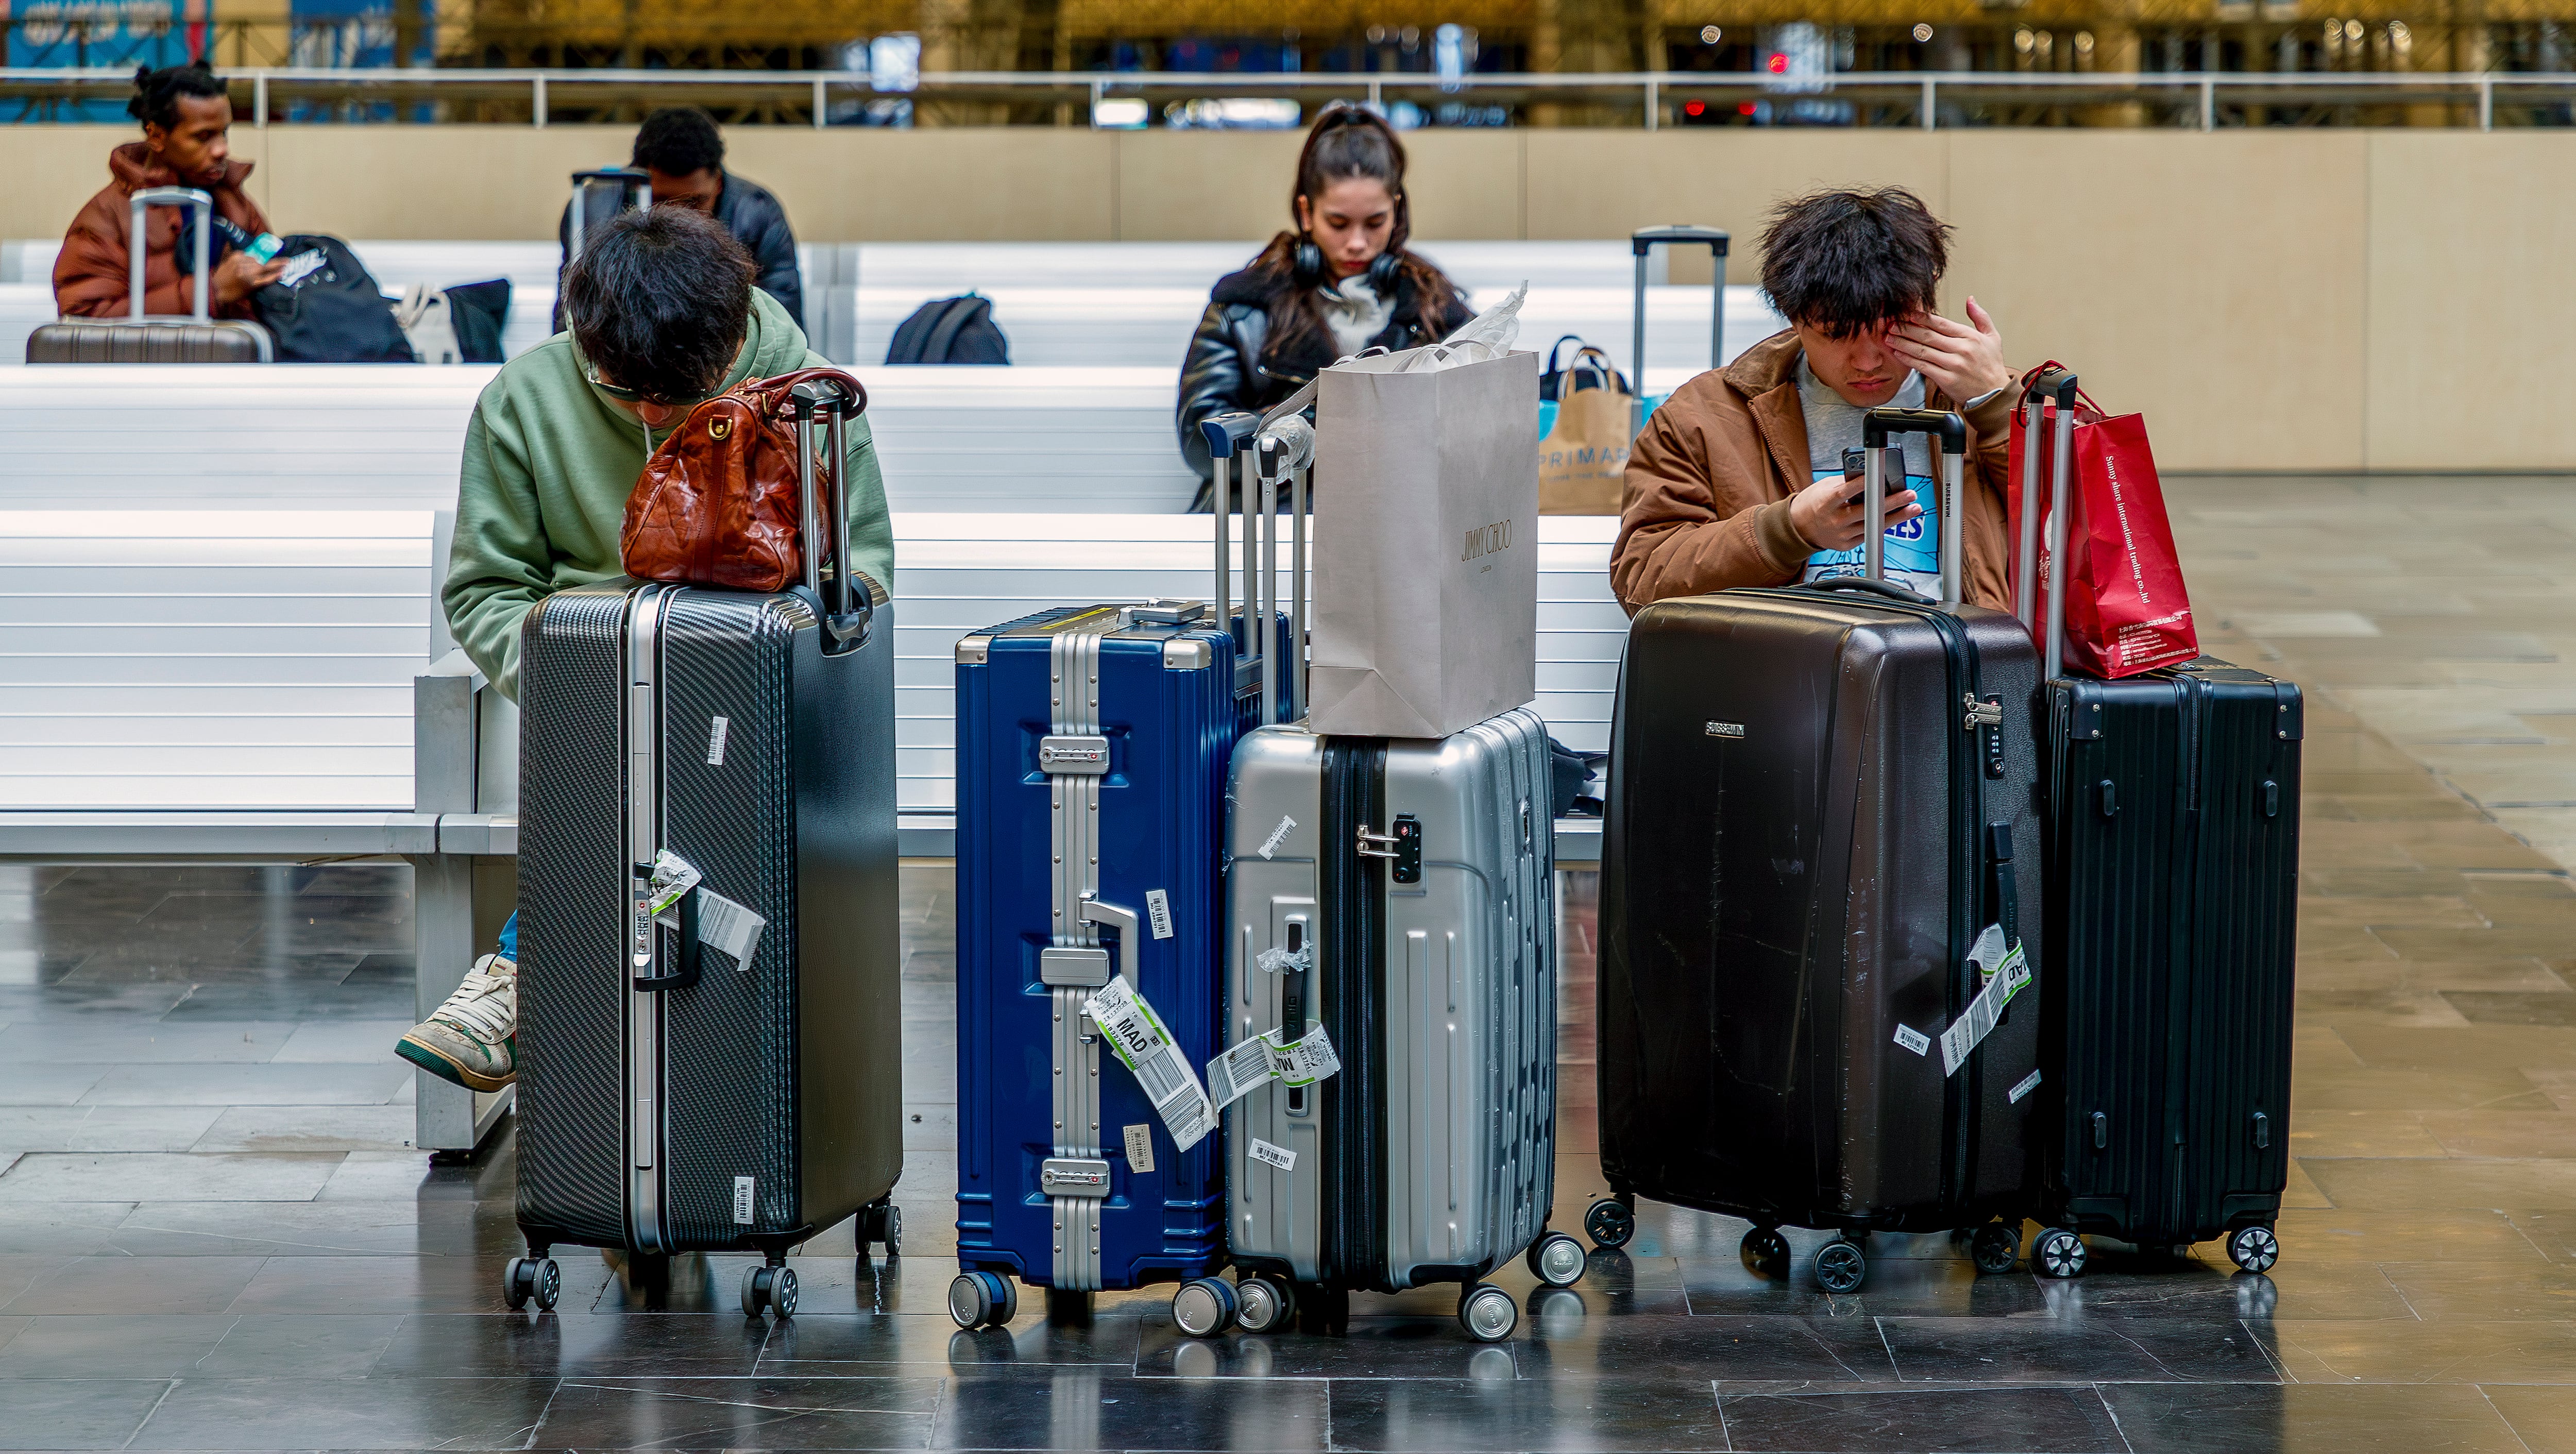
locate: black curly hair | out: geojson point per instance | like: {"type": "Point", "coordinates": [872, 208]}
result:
{"type": "Point", "coordinates": [1845, 261]}
{"type": "Point", "coordinates": [157, 93]}
{"type": "Point", "coordinates": [679, 141]}
{"type": "Point", "coordinates": [659, 301]}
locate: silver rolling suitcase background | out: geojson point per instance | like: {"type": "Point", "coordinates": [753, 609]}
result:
{"type": "Point", "coordinates": [675, 1096]}
{"type": "Point", "coordinates": [140, 338]}
{"type": "Point", "coordinates": [1406, 888]}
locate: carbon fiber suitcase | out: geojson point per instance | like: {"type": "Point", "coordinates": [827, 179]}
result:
{"type": "Point", "coordinates": [674, 1097]}
{"type": "Point", "coordinates": [140, 339]}
{"type": "Point", "coordinates": [2173, 859]}
{"type": "Point", "coordinates": [1398, 895]}
{"type": "Point", "coordinates": [1817, 800]}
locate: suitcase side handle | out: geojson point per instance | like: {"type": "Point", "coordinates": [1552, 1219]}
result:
{"type": "Point", "coordinates": [691, 957]}
{"type": "Point", "coordinates": [143, 202]}
{"type": "Point", "coordinates": [1093, 910]}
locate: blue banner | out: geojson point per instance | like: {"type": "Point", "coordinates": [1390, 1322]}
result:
{"type": "Point", "coordinates": [116, 34]}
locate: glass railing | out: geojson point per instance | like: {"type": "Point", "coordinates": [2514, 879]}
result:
{"type": "Point", "coordinates": [1238, 100]}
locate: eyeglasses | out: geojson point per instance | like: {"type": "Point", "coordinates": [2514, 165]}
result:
{"type": "Point", "coordinates": [629, 396]}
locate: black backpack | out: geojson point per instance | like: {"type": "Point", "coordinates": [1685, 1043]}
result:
{"type": "Point", "coordinates": [326, 308]}
{"type": "Point", "coordinates": [950, 331]}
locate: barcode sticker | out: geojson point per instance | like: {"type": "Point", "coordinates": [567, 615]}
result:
{"type": "Point", "coordinates": [1137, 1037]}
{"type": "Point", "coordinates": [742, 1198]}
{"type": "Point", "coordinates": [1231, 1075]}
{"type": "Point", "coordinates": [1140, 1147]}
{"type": "Point", "coordinates": [1984, 1012]}
{"type": "Point", "coordinates": [2023, 1087]}
{"type": "Point", "coordinates": [1158, 909]}
{"type": "Point", "coordinates": [716, 731]}
{"type": "Point", "coordinates": [1913, 1039]}
{"type": "Point", "coordinates": [728, 927]}
{"type": "Point", "coordinates": [1278, 1156]}
{"type": "Point", "coordinates": [1278, 835]}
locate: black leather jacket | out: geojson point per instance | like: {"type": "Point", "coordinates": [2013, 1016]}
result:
{"type": "Point", "coordinates": [751, 213]}
{"type": "Point", "coordinates": [1225, 369]}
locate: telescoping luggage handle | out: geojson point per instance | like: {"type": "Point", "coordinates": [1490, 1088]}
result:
{"type": "Point", "coordinates": [631, 184]}
{"type": "Point", "coordinates": [1281, 445]}
{"type": "Point", "coordinates": [1876, 428]}
{"type": "Point", "coordinates": [837, 398]}
{"type": "Point", "coordinates": [2058, 386]}
{"type": "Point", "coordinates": [1642, 242]}
{"type": "Point", "coordinates": [144, 202]}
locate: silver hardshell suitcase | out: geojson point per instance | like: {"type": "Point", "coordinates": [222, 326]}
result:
{"type": "Point", "coordinates": [1398, 894]}
{"type": "Point", "coordinates": [197, 337]}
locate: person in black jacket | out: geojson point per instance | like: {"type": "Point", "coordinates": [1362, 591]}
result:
{"type": "Point", "coordinates": [1341, 282]}
{"type": "Point", "coordinates": [681, 150]}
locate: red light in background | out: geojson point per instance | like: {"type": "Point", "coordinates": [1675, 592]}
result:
{"type": "Point", "coordinates": [1744, 108]}
{"type": "Point", "coordinates": [1695, 108]}
{"type": "Point", "coordinates": [1779, 65]}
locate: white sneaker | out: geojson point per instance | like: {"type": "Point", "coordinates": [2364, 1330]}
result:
{"type": "Point", "coordinates": [472, 1040]}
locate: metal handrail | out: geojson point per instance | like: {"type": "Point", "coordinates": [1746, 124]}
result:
{"type": "Point", "coordinates": [1653, 87]}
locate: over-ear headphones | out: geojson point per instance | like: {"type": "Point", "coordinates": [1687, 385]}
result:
{"type": "Point", "coordinates": [1306, 260]}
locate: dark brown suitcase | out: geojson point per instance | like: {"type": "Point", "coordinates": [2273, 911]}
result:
{"type": "Point", "coordinates": [1817, 799]}
{"type": "Point", "coordinates": [137, 338]}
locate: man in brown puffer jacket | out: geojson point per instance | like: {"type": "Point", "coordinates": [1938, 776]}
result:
{"type": "Point", "coordinates": [185, 114]}
{"type": "Point", "coordinates": [1737, 479]}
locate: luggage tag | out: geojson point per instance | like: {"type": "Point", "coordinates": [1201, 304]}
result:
{"type": "Point", "coordinates": [2003, 975]}
{"type": "Point", "coordinates": [731, 928]}
{"type": "Point", "coordinates": [1137, 1037]}
{"type": "Point", "coordinates": [1265, 1058]}
{"type": "Point", "coordinates": [673, 876]}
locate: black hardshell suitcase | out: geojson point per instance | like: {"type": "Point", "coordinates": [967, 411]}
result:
{"type": "Point", "coordinates": [672, 1099]}
{"type": "Point", "coordinates": [1818, 796]}
{"type": "Point", "coordinates": [138, 338]}
{"type": "Point", "coordinates": [2172, 885]}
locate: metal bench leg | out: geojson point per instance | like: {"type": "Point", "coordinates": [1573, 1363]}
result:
{"type": "Point", "coordinates": [447, 935]}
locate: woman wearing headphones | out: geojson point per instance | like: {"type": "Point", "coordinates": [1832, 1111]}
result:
{"type": "Point", "coordinates": [1340, 283]}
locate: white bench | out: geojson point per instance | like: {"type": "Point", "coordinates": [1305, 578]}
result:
{"type": "Point", "coordinates": [221, 436]}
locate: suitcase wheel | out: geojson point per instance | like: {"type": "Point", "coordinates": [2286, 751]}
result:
{"type": "Point", "coordinates": [1766, 1252]}
{"type": "Point", "coordinates": [1556, 1259]}
{"type": "Point", "coordinates": [1995, 1247]}
{"type": "Point", "coordinates": [1609, 1223]}
{"type": "Point", "coordinates": [773, 1288]}
{"type": "Point", "coordinates": [881, 1223]}
{"type": "Point", "coordinates": [1840, 1266]}
{"type": "Point", "coordinates": [1204, 1307]}
{"type": "Point", "coordinates": [1263, 1303]}
{"type": "Point", "coordinates": [2254, 1249]}
{"type": "Point", "coordinates": [983, 1300]}
{"type": "Point", "coordinates": [1488, 1313]}
{"type": "Point", "coordinates": [2058, 1253]}
{"type": "Point", "coordinates": [534, 1278]}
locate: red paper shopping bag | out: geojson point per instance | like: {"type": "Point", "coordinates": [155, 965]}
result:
{"type": "Point", "coordinates": [2126, 607]}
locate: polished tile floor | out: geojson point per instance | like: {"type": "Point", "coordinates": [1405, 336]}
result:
{"type": "Point", "coordinates": [212, 1236]}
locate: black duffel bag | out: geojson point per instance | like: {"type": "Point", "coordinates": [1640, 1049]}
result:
{"type": "Point", "coordinates": [326, 307]}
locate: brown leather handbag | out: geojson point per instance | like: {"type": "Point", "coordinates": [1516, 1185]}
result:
{"type": "Point", "coordinates": [721, 503]}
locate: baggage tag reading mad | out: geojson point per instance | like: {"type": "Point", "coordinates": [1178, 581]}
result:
{"type": "Point", "coordinates": [1265, 1058]}
{"type": "Point", "coordinates": [1137, 1037]}
{"type": "Point", "coordinates": [2005, 974]}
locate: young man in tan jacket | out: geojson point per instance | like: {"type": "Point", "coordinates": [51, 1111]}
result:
{"type": "Point", "coordinates": [1738, 478]}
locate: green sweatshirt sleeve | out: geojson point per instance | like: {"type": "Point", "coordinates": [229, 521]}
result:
{"type": "Point", "coordinates": [871, 525]}
{"type": "Point", "coordinates": [497, 563]}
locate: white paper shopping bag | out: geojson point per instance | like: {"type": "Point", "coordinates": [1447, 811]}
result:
{"type": "Point", "coordinates": [1426, 534]}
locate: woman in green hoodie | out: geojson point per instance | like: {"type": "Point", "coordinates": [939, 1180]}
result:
{"type": "Point", "coordinates": [662, 315]}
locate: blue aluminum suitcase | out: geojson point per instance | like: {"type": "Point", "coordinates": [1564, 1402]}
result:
{"type": "Point", "coordinates": [1092, 751]}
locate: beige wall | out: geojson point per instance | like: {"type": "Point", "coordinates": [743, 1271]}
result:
{"type": "Point", "coordinates": [2271, 300]}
